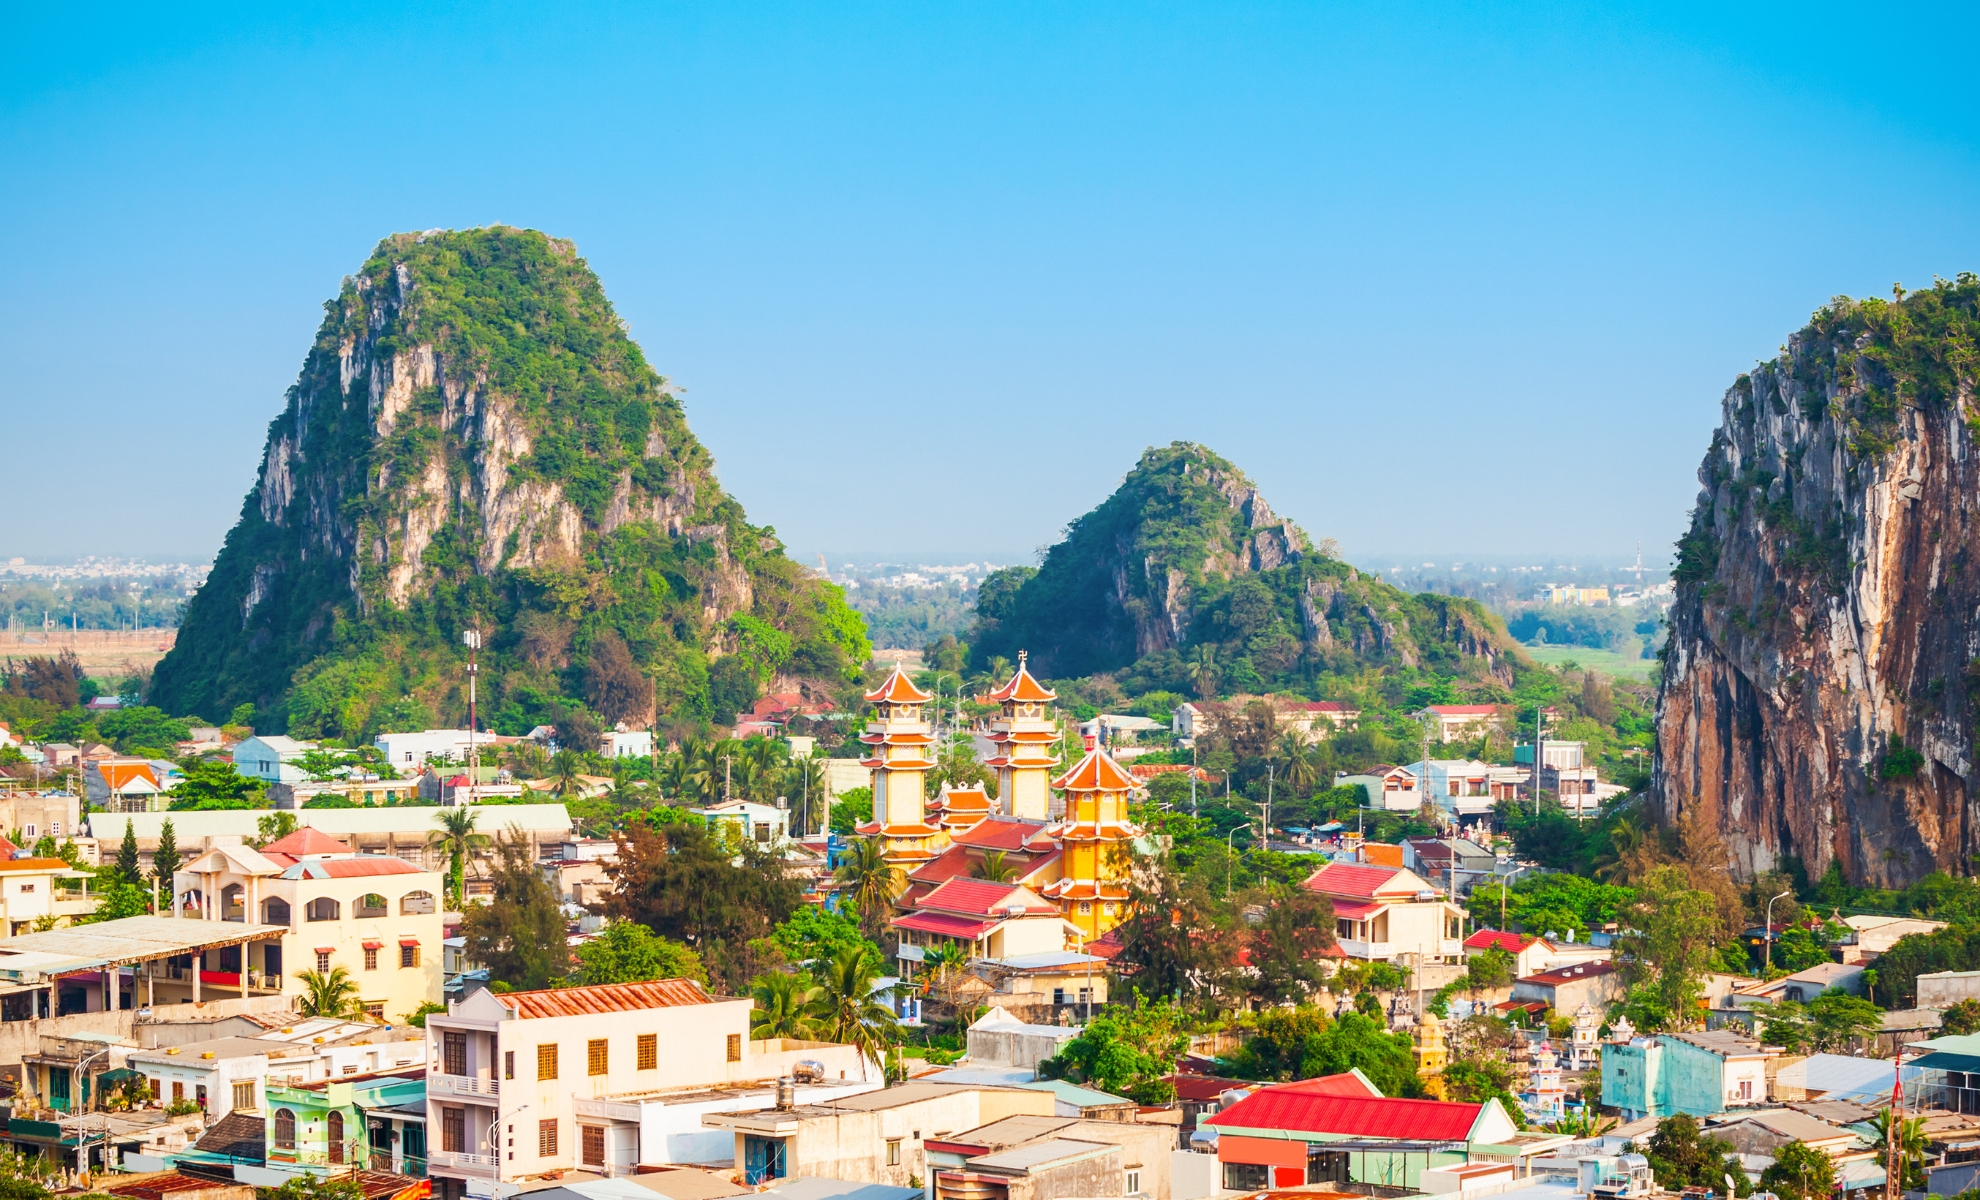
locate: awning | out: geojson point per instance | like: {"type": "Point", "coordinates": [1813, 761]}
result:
{"type": "Point", "coordinates": [326, 949]}
{"type": "Point", "coordinates": [1353, 910]}
{"type": "Point", "coordinates": [947, 926]}
{"type": "Point", "coordinates": [409, 941]}
{"type": "Point", "coordinates": [374, 945]}
{"type": "Point", "coordinates": [1946, 1060]}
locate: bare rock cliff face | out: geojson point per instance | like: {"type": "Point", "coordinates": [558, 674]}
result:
{"type": "Point", "coordinates": [1823, 667]}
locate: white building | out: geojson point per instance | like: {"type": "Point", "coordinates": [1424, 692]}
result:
{"type": "Point", "coordinates": [1455, 721]}
{"type": "Point", "coordinates": [1459, 786]}
{"type": "Point", "coordinates": [626, 743]}
{"type": "Point", "coordinates": [232, 1074]}
{"type": "Point", "coordinates": [760, 823]}
{"type": "Point", "coordinates": [1392, 788]}
{"type": "Point", "coordinates": [408, 752]}
{"type": "Point", "coordinates": [1386, 914]}
{"type": "Point", "coordinates": [272, 758]}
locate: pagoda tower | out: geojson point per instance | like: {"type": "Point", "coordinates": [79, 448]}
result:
{"type": "Point", "coordinates": [1024, 736]}
{"type": "Point", "coordinates": [1432, 1056]}
{"type": "Point", "coordinates": [899, 740]}
{"type": "Point", "coordinates": [1092, 890]}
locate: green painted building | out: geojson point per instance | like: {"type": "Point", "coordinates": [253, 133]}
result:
{"type": "Point", "coordinates": [377, 1123]}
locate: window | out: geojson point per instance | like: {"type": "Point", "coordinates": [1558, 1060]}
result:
{"type": "Point", "coordinates": [274, 911]}
{"type": "Point", "coordinates": [453, 1053]}
{"type": "Point", "coordinates": [408, 954]}
{"type": "Point", "coordinates": [594, 1145]}
{"type": "Point", "coordinates": [30, 831]}
{"type": "Point", "coordinates": [371, 905]}
{"type": "Point", "coordinates": [893, 1152]}
{"type": "Point", "coordinates": [1058, 995]}
{"type": "Point", "coordinates": [735, 1047]}
{"type": "Point", "coordinates": [179, 1093]}
{"type": "Point", "coordinates": [1108, 908]}
{"type": "Point", "coordinates": [27, 889]}
{"type": "Point", "coordinates": [336, 1131]}
{"type": "Point", "coordinates": [649, 1051]}
{"type": "Point", "coordinates": [158, 1088]}
{"type": "Point", "coordinates": [416, 902]}
{"type": "Point", "coordinates": [323, 908]}
{"type": "Point", "coordinates": [546, 1061]}
{"type": "Point", "coordinates": [508, 1064]}
{"type": "Point", "coordinates": [285, 1128]}
{"type": "Point", "coordinates": [322, 962]}
{"type": "Point", "coordinates": [375, 1009]}
{"type": "Point", "coordinates": [596, 1057]}
{"type": "Point", "coordinates": [453, 1130]}
{"type": "Point", "coordinates": [199, 1096]}
{"type": "Point", "coordinates": [54, 829]}
{"type": "Point", "coordinates": [1246, 1177]}
{"type": "Point", "coordinates": [371, 958]}
{"type": "Point", "coordinates": [546, 1138]}
{"type": "Point", "coordinates": [1133, 1182]}
{"type": "Point", "coordinates": [1746, 1089]}
{"type": "Point", "coordinates": [1085, 907]}
{"type": "Point", "coordinates": [244, 1096]}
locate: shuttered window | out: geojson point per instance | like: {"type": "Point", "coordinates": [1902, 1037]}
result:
{"type": "Point", "coordinates": [596, 1058]}
{"type": "Point", "coordinates": [649, 1051]}
{"type": "Point", "coordinates": [546, 1061]}
{"type": "Point", "coordinates": [546, 1139]}
{"type": "Point", "coordinates": [735, 1047]}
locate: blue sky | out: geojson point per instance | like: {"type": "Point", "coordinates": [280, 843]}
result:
{"type": "Point", "coordinates": [1442, 279]}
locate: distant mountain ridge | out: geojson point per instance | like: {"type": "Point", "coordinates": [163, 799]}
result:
{"type": "Point", "coordinates": [475, 442]}
{"type": "Point", "coordinates": [1186, 569]}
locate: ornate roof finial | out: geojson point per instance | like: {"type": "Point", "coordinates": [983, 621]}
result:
{"type": "Point", "coordinates": [1022, 655]}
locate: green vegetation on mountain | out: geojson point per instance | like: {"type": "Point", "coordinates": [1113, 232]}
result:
{"type": "Point", "coordinates": [474, 442]}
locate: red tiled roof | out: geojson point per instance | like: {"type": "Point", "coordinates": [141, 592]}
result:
{"type": "Point", "coordinates": [897, 688]}
{"type": "Point", "coordinates": [1097, 772]}
{"type": "Point", "coordinates": [1108, 945]}
{"type": "Point", "coordinates": [980, 897]}
{"type": "Point", "coordinates": [1353, 879]}
{"type": "Point", "coordinates": [1489, 939]}
{"type": "Point", "coordinates": [1203, 1088]}
{"type": "Point", "coordinates": [1325, 706]}
{"type": "Point", "coordinates": [1352, 910]}
{"type": "Point", "coordinates": [1151, 770]}
{"type": "Point", "coordinates": [307, 841]}
{"type": "Point", "coordinates": [605, 997]}
{"type": "Point", "coordinates": [947, 865]}
{"type": "Point", "coordinates": [1023, 687]}
{"type": "Point", "coordinates": [942, 923]}
{"type": "Point", "coordinates": [355, 868]}
{"type": "Point", "coordinates": [999, 833]}
{"type": "Point", "coordinates": [1352, 1116]}
{"type": "Point", "coordinates": [1560, 975]}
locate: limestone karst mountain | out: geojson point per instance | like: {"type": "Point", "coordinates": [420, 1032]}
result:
{"type": "Point", "coordinates": [475, 442]}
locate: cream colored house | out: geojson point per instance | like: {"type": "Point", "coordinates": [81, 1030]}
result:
{"type": "Point", "coordinates": [33, 889]}
{"type": "Point", "coordinates": [1386, 914]}
{"type": "Point", "coordinates": [526, 1083]}
{"type": "Point", "coordinates": [376, 916]}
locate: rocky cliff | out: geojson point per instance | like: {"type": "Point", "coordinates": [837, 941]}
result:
{"type": "Point", "coordinates": [1186, 568]}
{"type": "Point", "coordinates": [474, 442]}
{"type": "Point", "coordinates": [1823, 668]}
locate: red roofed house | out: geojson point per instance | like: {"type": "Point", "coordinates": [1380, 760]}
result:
{"type": "Point", "coordinates": [988, 920]}
{"type": "Point", "coordinates": [1531, 955]}
{"type": "Point", "coordinates": [1278, 1137]}
{"type": "Point", "coordinates": [323, 907]}
{"type": "Point", "coordinates": [1566, 988]}
{"type": "Point", "coordinates": [1384, 914]}
{"type": "Point", "coordinates": [1456, 721]}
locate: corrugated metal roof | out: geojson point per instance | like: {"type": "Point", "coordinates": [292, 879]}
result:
{"type": "Point", "coordinates": [605, 997]}
{"type": "Point", "coordinates": [1403, 1120]}
{"type": "Point", "coordinates": [1038, 1154]}
{"type": "Point", "coordinates": [350, 868]}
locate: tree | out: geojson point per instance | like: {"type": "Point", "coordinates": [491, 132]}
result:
{"type": "Point", "coordinates": [1673, 931]}
{"type": "Point", "coordinates": [565, 767]}
{"type": "Point", "coordinates": [117, 898]}
{"type": "Point", "coordinates": [627, 953]}
{"type": "Point", "coordinates": [1962, 1018]}
{"type": "Point", "coordinates": [850, 809]}
{"type": "Point", "coordinates": [1840, 1019]}
{"type": "Point", "coordinates": [1125, 1051]}
{"type": "Point", "coordinates": [165, 860]}
{"type": "Point", "coordinates": [273, 828]}
{"type": "Point", "coordinates": [328, 994]}
{"type": "Point", "coordinates": [995, 869]}
{"type": "Point", "coordinates": [457, 834]}
{"type": "Point", "coordinates": [204, 786]}
{"type": "Point", "coordinates": [520, 934]}
{"type": "Point", "coordinates": [1680, 1158]}
{"type": "Point", "coordinates": [871, 883]}
{"type": "Point", "coordinates": [1799, 1172]}
{"type": "Point", "coordinates": [1489, 969]}
{"type": "Point", "coordinates": [128, 865]}
{"type": "Point", "coordinates": [1176, 940]}
{"type": "Point", "coordinates": [814, 932]}
{"type": "Point", "coordinates": [847, 1010]}
{"type": "Point", "coordinates": [1909, 1134]}
{"type": "Point", "coordinates": [1287, 946]}
{"type": "Point", "coordinates": [786, 1006]}
{"type": "Point", "coordinates": [716, 896]}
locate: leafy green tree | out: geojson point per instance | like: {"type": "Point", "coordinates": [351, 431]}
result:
{"type": "Point", "coordinates": [1489, 969]}
{"type": "Point", "coordinates": [1288, 945]}
{"type": "Point", "coordinates": [1178, 940]}
{"type": "Point", "coordinates": [273, 828]}
{"type": "Point", "coordinates": [1476, 1080]}
{"type": "Point", "coordinates": [787, 1006]}
{"type": "Point", "coordinates": [1125, 1051]}
{"type": "Point", "coordinates": [848, 1009]}
{"type": "Point", "coordinates": [1671, 940]}
{"type": "Point", "coordinates": [142, 729]}
{"type": "Point", "coordinates": [870, 883]}
{"type": "Point", "coordinates": [1962, 1018]}
{"type": "Point", "coordinates": [1300, 1043]}
{"type": "Point", "coordinates": [206, 786]}
{"type": "Point", "coordinates": [317, 1187]}
{"type": "Point", "coordinates": [129, 866]}
{"type": "Point", "coordinates": [117, 898]}
{"type": "Point", "coordinates": [520, 934]}
{"type": "Point", "coordinates": [1799, 1172]}
{"type": "Point", "coordinates": [1680, 1157]}
{"type": "Point", "coordinates": [813, 932]}
{"type": "Point", "coordinates": [627, 953]}
{"type": "Point", "coordinates": [417, 1017]}
{"type": "Point", "coordinates": [719, 897]}
{"type": "Point", "coordinates": [165, 859]}
{"type": "Point", "coordinates": [331, 993]}
{"type": "Point", "coordinates": [851, 808]}
{"type": "Point", "coordinates": [1840, 1019]}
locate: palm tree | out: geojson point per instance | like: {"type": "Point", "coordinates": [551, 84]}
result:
{"type": "Point", "coordinates": [943, 963]}
{"type": "Point", "coordinates": [1910, 1133]}
{"type": "Point", "coordinates": [565, 767]}
{"type": "Point", "coordinates": [785, 1006]}
{"type": "Point", "coordinates": [331, 995]}
{"type": "Point", "coordinates": [847, 1009]}
{"type": "Point", "coordinates": [457, 834]}
{"type": "Point", "coordinates": [872, 883]}
{"type": "Point", "coordinates": [1203, 672]}
{"type": "Point", "coordinates": [995, 869]}
{"type": "Point", "coordinates": [1625, 839]}
{"type": "Point", "coordinates": [805, 779]}
{"type": "Point", "coordinates": [1298, 765]}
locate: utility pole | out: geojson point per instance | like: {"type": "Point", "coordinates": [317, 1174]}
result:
{"type": "Point", "coordinates": [1539, 717]}
{"type": "Point", "coordinates": [472, 639]}
{"type": "Point", "coordinates": [1193, 810]}
{"type": "Point", "coordinates": [1268, 805]}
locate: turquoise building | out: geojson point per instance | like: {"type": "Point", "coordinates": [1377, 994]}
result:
{"type": "Point", "coordinates": [1696, 1073]}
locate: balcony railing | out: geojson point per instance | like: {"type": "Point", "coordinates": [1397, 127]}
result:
{"type": "Point", "coordinates": [461, 1085]}
{"type": "Point", "coordinates": [482, 1165]}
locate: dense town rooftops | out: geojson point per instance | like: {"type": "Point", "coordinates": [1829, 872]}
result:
{"type": "Point", "coordinates": [1288, 1108]}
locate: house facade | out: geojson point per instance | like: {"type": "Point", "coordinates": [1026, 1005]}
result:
{"type": "Point", "coordinates": [1393, 788]}
{"type": "Point", "coordinates": [985, 920]}
{"type": "Point", "coordinates": [1697, 1073]}
{"type": "Point", "coordinates": [1456, 721]}
{"type": "Point", "coordinates": [272, 758]}
{"type": "Point", "coordinates": [124, 785]}
{"type": "Point", "coordinates": [1384, 914]}
{"type": "Point", "coordinates": [1281, 1137]}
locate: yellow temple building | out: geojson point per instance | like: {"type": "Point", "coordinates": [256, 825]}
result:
{"type": "Point", "coordinates": [1024, 735]}
{"type": "Point", "coordinates": [900, 738]}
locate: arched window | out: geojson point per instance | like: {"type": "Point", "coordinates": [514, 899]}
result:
{"type": "Point", "coordinates": [416, 902]}
{"type": "Point", "coordinates": [372, 905]}
{"type": "Point", "coordinates": [285, 1129]}
{"type": "Point", "coordinates": [323, 908]}
{"type": "Point", "coordinates": [275, 911]}
{"type": "Point", "coordinates": [336, 1137]}
{"type": "Point", "coordinates": [233, 904]}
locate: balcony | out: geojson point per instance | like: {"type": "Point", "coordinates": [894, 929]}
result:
{"type": "Point", "coordinates": [465, 1086]}
{"type": "Point", "coordinates": [479, 1166]}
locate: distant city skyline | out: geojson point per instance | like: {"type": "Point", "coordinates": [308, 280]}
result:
{"type": "Point", "coordinates": [1430, 276]}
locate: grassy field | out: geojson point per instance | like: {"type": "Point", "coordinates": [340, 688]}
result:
{"type": "Point", "coordinates": [1607, 662]}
